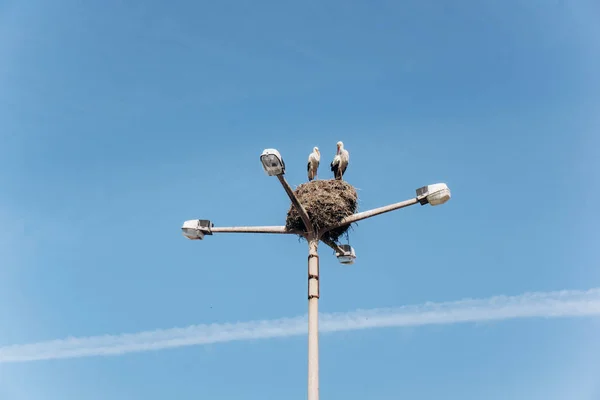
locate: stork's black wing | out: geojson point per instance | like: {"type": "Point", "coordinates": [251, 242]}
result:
{"type": "Point", "coordinates": [336, 169]}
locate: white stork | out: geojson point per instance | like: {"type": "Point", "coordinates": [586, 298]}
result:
{"type": "Point", "coordinates": [340, 161]}
{"type": "Point", "coordinates": [314, 159]}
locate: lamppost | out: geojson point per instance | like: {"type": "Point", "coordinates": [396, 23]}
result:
{"type": "Point", "coordinates": [274, 165]}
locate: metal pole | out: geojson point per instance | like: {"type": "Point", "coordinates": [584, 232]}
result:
{"type": "Point", "coordinates": [370, 213]}
{"type": "Point", "coordinates": [296, 203]}
{"type": "Point", "coordinates": [313, 319]}
{"type": "Point", "coordinates": [252, 229]}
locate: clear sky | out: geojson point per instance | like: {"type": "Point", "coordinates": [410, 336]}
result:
{"type": "Point", "coordinates": [119, 120]}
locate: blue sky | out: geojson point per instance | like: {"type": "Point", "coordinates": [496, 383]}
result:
{"type": "Point", "coordinates": [119, 120]}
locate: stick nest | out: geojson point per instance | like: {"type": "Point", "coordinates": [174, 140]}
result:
{"type": "Point", "coordinates": [327, 202]}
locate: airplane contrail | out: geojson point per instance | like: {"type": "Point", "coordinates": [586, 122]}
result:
{"type": "Point", "coordinates": [567, 303]}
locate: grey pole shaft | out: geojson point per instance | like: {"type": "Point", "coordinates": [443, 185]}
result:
{"type": "Point", "coordinates": [313, 319]}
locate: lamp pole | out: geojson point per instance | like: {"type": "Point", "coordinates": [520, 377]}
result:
{"type": "Point", "coordinates": [273, 164]}
{"type": "Point", "coordinates": [313, 319]}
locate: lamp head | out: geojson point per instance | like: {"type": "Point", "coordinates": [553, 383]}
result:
{"type": "Point", "coordinates": [195, 229]}
{"type": "Point", "coordinates": [435, 194]}
{"type": "Point", "coordinates": [348, 256]}
{"type": "Point", "coordinates": [272, 162]}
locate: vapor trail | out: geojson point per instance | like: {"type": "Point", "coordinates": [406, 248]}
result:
{"type": "Point", "coordinates": [565, 303]}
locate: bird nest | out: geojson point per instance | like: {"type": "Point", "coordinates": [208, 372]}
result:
{"type": "Point", "coordinates": [326, 202]}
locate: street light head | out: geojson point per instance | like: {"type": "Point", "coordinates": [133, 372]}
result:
{"type": "Point", "coordinates": [195, 229]}
{"type": "Point", "coordinates": [435, 194]}
{"type": "Point", "coordinates": [348, 256]}
{"type": "Point", "coordinates": [272, 162]}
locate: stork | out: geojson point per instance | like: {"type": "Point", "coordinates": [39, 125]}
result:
{"type": "Point", "coordinates": [314, 159]}
{"type": "Point", "coordinates": [340, 161]}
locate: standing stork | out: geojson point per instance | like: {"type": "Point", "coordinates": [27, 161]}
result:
{"type": "Point", "coordinates": [340, 161]}
{"type": "Point", "coordinates": [314, 159]}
